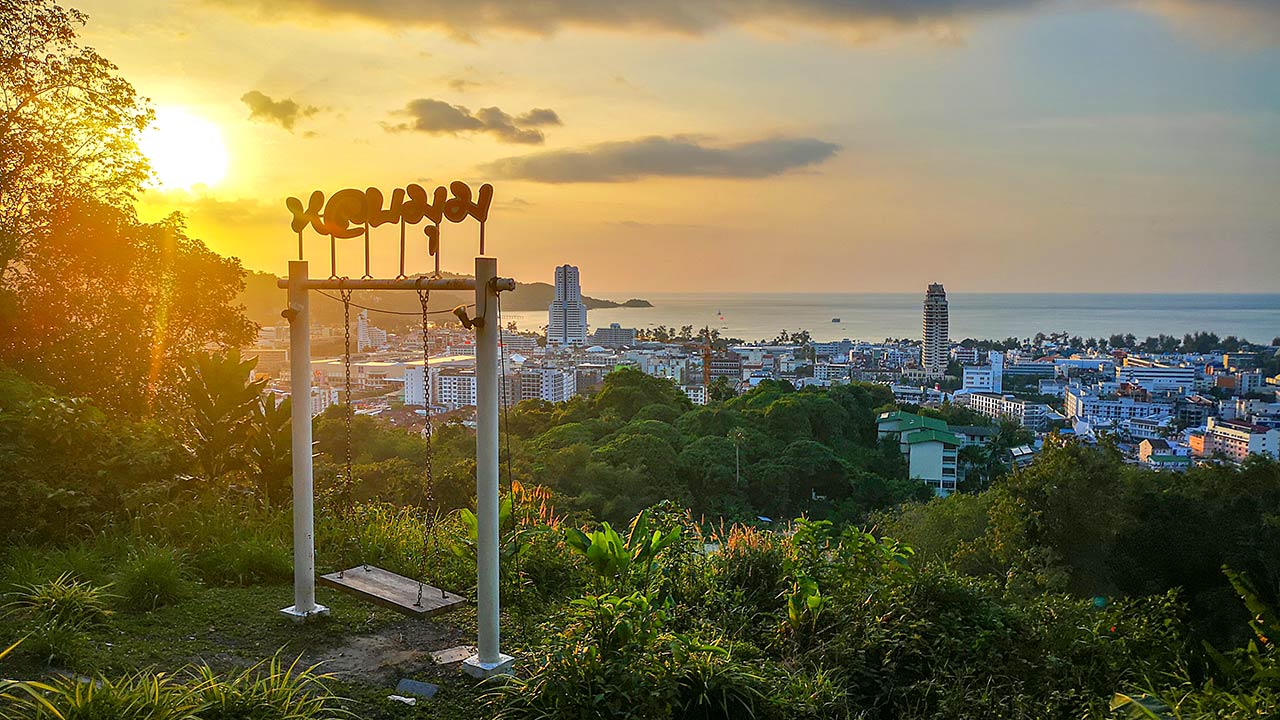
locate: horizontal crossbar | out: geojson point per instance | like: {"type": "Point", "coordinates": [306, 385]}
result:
{"type": "Point", "coordinates": [398, 284]}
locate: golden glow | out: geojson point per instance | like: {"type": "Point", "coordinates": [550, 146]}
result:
{"type": "Point", "coordinates": [185, 150]}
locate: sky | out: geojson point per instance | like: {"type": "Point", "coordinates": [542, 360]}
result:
{"type": "Point", "coordinates": [744, 145]}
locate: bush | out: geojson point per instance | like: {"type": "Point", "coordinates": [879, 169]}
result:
{"type": "Point", "coordinates": [751, 564]}
{"type": "Point", "coordinates": [253, 560]}
{"type": "Point", "coordinates": [266, 691]}
{"type": "Point", "coordinates": [711, 685]}
{"type": "Point", "coordinates": [607, 663]}
{"type": "Point", "coordinates": [62, 601]}
{"type": "Point", "coordinates": [55, 615]}
{"type": "Point", "coordinates": [26, 565]}
{"type": "Point", "coordinates": [153, 576]}
{"type": "Point", "coordinates": [269, 690]}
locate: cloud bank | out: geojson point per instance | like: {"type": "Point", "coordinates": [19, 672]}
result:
{"type": "Point", "coordinates": [437, 117]}
{"type": "Point", "coordinates": [284, 113]}
{"type": "Point", "coordinates": [857, 19]}
{"type": "Point", "coordinates": [675, 156]}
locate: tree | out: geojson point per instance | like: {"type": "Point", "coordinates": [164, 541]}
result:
{"type": "Point", "coordinates": [68, 126]}
{"type": "Point", "coordinates": [720, 390]}
{"type": "Point", "coordinates": [109, 307]}
{"type": "Point", "coordinates": [223, 406]}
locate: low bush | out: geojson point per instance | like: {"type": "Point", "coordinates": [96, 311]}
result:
{"type": "Point", "coordinates": [251, 560]}
{"type": "Point", "coordinates": [153, 576]}
{"type": "Point", "coordinates": [270, 690]}
{"type": "Point", "coordinates": [61, 600]}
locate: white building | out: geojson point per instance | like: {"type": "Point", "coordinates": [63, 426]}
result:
{"type": "Point", "coordinates": [696, 393]}
{"type": "Point", "coordinates": [1154, 377]}
{"type": "Point", "coordinates": [517, 343]}
{"type": "Point", "coordinates": [835, 373]}
{"type": "Point", "coordinates": [1103, 409]}
{"type": "Point", "coordinates": [455, 388]}
{"type": "Point", "coordinates": [1033, 416]}
{"type": "Point", "coordinates": [614, 335]}
{"type": "Point", "coordinates": [322, 398]}
{"type": "Point", "coordinates": [929, 447]}
{"type": "Point", "coordinates": [937, 330]}
{"type": "Point", "coordinates": [567, 316]}
{"type": "Point", "coordinates": [548, 383]}
{"type": "Point", "coordinates": [368, 337]}
{"type": "Point", "coordinates": [985, 378]}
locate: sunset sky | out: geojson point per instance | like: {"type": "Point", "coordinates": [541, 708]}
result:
{"type": "Point", "coordinates": [797, 145]}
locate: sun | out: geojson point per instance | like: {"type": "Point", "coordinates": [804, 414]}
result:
{"type": "Point", "coordinates": [185, 150]}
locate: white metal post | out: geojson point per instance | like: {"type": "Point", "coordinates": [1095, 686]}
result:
{"type": "Point", "coordinates": [304, 553]}
{"type": "Point", "coordinates": [488, 660]}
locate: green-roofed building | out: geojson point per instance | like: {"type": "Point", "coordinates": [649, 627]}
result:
{"type": "Point", "coordinates": [928, 445]}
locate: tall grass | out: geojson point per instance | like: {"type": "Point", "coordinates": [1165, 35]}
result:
{"type": "Point", "coordinates": [154, 576]}
{"type": "Point", "coordinates": [270, 690]}
{"type": "Point", "coordinates": [56, 615]}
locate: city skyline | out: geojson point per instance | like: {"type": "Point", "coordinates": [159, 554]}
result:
{"type": "Point", "coordinates": [859, 146]}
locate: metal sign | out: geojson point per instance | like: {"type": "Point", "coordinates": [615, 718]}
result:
{"type": "Point", "coordinates": [351, 213]}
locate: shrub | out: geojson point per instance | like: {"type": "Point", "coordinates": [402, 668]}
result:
{"type": "Point", "coordinates": [153, 576]}
{"type": "Point", "coordinates": [141, 696]}
{"type": "Point", "coordinates": [267, 691]}
{"type": "Point", "coordinates": [605, 664]}
{"type": "Point", "coordinates": [26, 565]}
{"type": "Point", "coordinates": [804, 694]}
{"type": "Point", "coordinates": [62, 601]}
{"type": "Point", "coordinates": [253, 560]}
{"type": "Point", "coordinates": [55, 616]}
{"type": "Point", "coordinates": [711, 685]}
{"type": "Point", "coordinates": [751, 564]}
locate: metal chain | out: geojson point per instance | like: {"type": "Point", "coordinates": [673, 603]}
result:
{"type": "Point", "coordinates": [344, 489]}
{"type": "Point", "coordinates": [424, 297]}
{"type": "Point", "coordinates": [346, 385]}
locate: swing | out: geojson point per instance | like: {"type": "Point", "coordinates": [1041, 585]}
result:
{"type": "Point", "coordinates": [383, 587]}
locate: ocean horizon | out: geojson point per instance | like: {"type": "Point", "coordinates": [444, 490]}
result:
{"type": "Point", "coordinates": [876, 316]}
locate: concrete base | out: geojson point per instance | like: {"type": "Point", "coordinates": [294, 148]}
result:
{"type": "Point", "coordinates": [481, 670]}
{"type": "Point", "coordinates": [296, 615]}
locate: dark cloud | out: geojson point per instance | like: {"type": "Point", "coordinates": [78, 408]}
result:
{"type": "Point", "coordinates": [284, 113]}
{"type": "Point", "coordinates": [677, 156]}
{"type": "Point", "coordinates": [857, 19]}
{"type": "Point", "coordinates": [437, 117]}
{"type": "Point", "coordinates": [463, 85]}
{"type": "Point", "coordinates": [539, 116]}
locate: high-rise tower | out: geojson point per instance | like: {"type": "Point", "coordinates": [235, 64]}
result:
{"type": "Point", "coordinates": [933, 355]}
{"type": "Point", "coordinates": [567, 316]}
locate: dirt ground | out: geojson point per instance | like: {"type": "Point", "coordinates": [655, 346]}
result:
{"type": "Point", "coordinates": [403, 649]}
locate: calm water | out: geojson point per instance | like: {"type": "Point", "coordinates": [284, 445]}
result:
{"type": "Point", "coordinates": [753, 316]}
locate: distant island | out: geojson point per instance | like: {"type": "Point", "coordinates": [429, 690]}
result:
{"type": "Point", "coordinates": [263, 301]}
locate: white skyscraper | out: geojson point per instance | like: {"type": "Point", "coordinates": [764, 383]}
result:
{"type": "Point", "coordinates": [567, 316]}
{"type": "Point", "coordinates": [937, 330]}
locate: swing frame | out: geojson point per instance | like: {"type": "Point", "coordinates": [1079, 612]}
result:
{"type": "Point", "coordinates": [486, 284]}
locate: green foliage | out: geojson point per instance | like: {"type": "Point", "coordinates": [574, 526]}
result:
{"type": "Point", "coordinates": [269, 690]}
{"type": "Point", "coordinates": [221, 407]}
{"type": "Point", "coordinates": [61, 600]}
{"type": "Point", "coordinates": [1243, 683]}
{"type": "Point", "coordinates": [65, 466]}
{"type": "Point", "coordinates": [154, 576]}
{"type": "Point", "coordinates": [628, 563]}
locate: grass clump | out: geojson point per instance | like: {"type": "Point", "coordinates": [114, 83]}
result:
{"type": "Point", "coordinates": [56, 616]}
{"type": "Point", "coordinates": [153, 577]}
{"type": "Point", "coordinates": [270, 690]}
{"type": "Point", "coordinates": [267, 691]}
{"type": "Point", "coordinates": [61, 600]}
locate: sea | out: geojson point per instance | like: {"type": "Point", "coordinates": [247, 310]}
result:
{"type": "Point", "coordinates": [876, 316]}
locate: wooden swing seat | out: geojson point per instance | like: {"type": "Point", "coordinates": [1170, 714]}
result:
{"type": "Point", "coordinates": [392, 591]}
